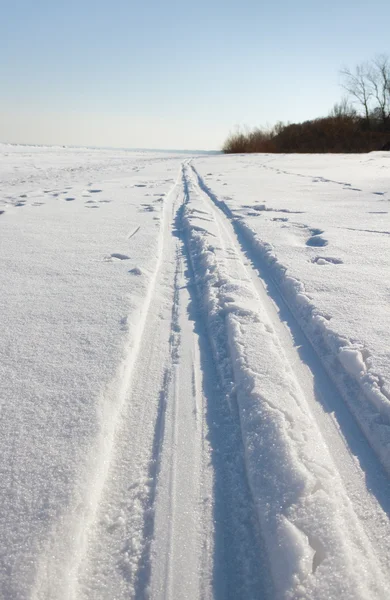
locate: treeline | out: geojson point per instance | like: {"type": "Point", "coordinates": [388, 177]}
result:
{"type": "Point", "coordinates": [359, 123]}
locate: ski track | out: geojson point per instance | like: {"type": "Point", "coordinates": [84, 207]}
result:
{"type": "Point", "coordinates": [167, 507]}
{"type": "Point", "coordinates": [188, 532]}
{"type": "Point", "coordinates": [362, 474]}
{"type": "Point", "coordinates": [95, 480]}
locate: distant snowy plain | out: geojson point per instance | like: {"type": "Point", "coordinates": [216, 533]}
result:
{"type": "Point", "coordinates": [195, 375]}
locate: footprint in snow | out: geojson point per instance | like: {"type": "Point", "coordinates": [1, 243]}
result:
{"type": "Point", "coordinates": [118, 256]}
{"type": "Point", "coordinates": [124, 324]}
{"type": "Point", "coordinates": [136, 271]}
{"type": "Point", "coordinates": [70, 199]}
{"type": "Point", "coordinates": [317, 241]}
{"type": "Point", "coordinates": [326, 260]}
{"type": "Point", "coordinates": [95, 191]}
{"type": "Point", "coordinates": [316, 238]}
{"type": "Point", "coordinates": [264, 208]}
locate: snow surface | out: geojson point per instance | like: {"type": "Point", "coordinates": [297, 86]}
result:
{"type": "Point", "coordinates": [195, 375]}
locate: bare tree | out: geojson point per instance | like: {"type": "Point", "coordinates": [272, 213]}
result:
{"type": "Point", "coordinates": [358, 85]}
{"type": "Point", "coordinates": [378, 77]}
{"type": "Point", "coordinates": [343, 109]}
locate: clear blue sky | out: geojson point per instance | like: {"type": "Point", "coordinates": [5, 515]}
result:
{"type": "Point", "coordinates": [157, 74]}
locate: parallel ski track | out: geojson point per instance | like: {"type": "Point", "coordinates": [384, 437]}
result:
{"type": "Point", "coordinates": [112, 404]}
{"type": "Point", "coordinates": [240, 566]}
{"type": "Point", "coordinates": [364, 478]}
{"type": "Point", "coordinates": [136, 519]}
{"type": "Point", "coordinates": [177, 562]}
{"type": "Point", "coordinates": [189, 529]}
{"type": "Point", "coordinates": [139, 463]}
{"type": "Point", "coordinates": [206, 547]}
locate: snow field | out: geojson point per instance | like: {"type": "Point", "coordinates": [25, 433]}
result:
{"type": "Point", "coordinates": [195, 373]}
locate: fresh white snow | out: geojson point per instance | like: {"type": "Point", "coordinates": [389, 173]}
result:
{"type": "Point", "coordinates": [195, 375]}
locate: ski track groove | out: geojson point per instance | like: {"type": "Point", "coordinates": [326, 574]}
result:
{"type": "Point", "coordinates": [142, 573]}
{"type": "Point", "coordinates": [178, 574]}
{"type": "Point", "coordinates": [245, 570]}
{"type": "Point", "coordinates": [174, 343]}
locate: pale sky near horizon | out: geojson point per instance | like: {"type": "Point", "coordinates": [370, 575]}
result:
{"type": "Point", "coordinates": [175, 75]}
